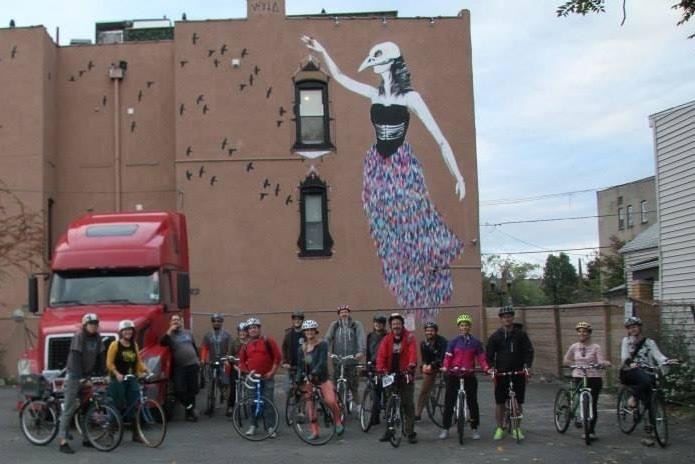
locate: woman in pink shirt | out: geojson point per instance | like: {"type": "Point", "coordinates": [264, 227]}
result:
{"type": "Point", "coordinates": [584, 353]}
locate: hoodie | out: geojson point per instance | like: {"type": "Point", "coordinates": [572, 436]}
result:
{"type": "Point", "coordinates": [346, 337]}
{"type": "Point", "coordinates": [509, 350]}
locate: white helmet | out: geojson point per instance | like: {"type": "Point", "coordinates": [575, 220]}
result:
{"type": "Point", "coordinates": [90, 317]}
{"type": "Point", "coordinates": [241, 327]}
{"type": "Point", "coordinates": [126, 324]}
{"type": "Point", "coordinates": [310, 324]}
{"type": "Point", "coordinates": [253, 321]}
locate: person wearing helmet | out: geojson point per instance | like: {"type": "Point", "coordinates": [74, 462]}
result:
{"type": "Point", "coordinates": [216, 344]}
{"type": "Point", "coordinates": [234, 348]}
{"type": "Point", "coordinates": [398, 355]}
{"type": "Point", "coordinates": [85, 360]}
{"type": "Point", "coordinates": [123, 358]}
{"type": "Point", "coordinates": [432, 350]}
{"type": "Point", "coordinates": [294, 338]}
{"type": "Point", "coordinates": [261, 355]}
{"type": "Point", "coordinates": [345, 336]}
{"type": "Point", "coordinates": [462, 353]}
{"type": "Point", "coordinates": [637, 350]}
{"type": "Point", "coordinates": [373, 340]}
{"type": "Point", "coordinates": [509, 349]}
{"type": "Point", "coordinates": [584, 353]}
{"type": "Point", "coordinates": [312, 368]}
{"type": "Point", "coordinates": [185, 366]}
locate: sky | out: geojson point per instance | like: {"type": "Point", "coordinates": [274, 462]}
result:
{"type": "Point", "coordinates": [561, 104]}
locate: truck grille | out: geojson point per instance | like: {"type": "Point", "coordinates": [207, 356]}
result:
{"type": "Point", "coordinates": [59, 348]}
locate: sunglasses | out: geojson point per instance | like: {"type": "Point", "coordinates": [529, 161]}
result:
{"type": "Point", "coordinates": [217, 320]}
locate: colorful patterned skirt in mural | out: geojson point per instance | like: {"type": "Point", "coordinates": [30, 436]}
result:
{"type": "Point", "coordinates": [413, 243]}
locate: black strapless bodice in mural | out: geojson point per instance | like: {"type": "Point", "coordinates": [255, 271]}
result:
{"type": "Point", "coordinates": [390, 125]}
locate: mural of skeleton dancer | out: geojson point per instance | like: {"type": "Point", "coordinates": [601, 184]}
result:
{"type": "Point", "coordinates": [413, 243]}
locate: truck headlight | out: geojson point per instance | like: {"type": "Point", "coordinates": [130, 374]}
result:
{"type": "Point", "coordinates": [24, 367]}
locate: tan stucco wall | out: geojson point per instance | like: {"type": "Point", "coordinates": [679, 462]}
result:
{"type": "Point", "coordinates": [59, 143]}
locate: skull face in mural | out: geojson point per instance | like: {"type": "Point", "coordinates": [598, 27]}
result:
{"type": "Point", "coordinates": [380, 57]}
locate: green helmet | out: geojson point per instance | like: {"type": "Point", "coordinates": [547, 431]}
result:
{"type": "Point", "coordinates": [464, 318]}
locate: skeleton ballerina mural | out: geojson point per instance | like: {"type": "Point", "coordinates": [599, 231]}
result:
{"type": "Point", "coordinates": [414, 244]}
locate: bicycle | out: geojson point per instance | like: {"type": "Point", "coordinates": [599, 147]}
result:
{"type": "Point", "coordinates": [395, 425]}
{"type": "Point", "coordinates": [150, 419]}
{"type": "Point", "coordinates": [435, 401]}
{"type": "Point", "coordinates": [253, 409]}
{"type": "Point", "coordinates": [369, 399]}
{"type": "Point", "coordinates": [95, 419]}
{"type": "Point", "coordinates": [462, 413]}
{"type": "Point", "coordinates": [293, 395]}
{"type": "Point", "coordinates": [576, 402]}
{"type": "Point", "coordinates": [341, 385]}
{"type": "Point", "coordinates": [629, 417]}
{"type": "Point", "coordinates": [512, 410]}
{"type": "Point", "coordinates": [313, 421]}
{"type": "Point", "coordinates": [213, 375]}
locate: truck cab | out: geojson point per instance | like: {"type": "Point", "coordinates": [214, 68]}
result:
{"type": "Point", "coordinates": [119, 266]}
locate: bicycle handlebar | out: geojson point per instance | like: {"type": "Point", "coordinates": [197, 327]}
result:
{"type": "Point", "coordinates": [504, 374]}
{"type": "Point", "coordinates": [342, 358]}
{"type": "Point", "coordinates": [461, 371]}
{"type": "Point", "coordinates": [586, 367]}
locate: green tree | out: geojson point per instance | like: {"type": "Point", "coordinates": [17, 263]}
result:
{"type": "Point", "coordinates": [559, 280]}
{"type": "Point", "coordinates": [583, 7]}
{"type": "Point", "coordinates": [612, 265]}
{"type": "Point", "coordinates": [515, 282]}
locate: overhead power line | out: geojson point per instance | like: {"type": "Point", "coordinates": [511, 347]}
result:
{"type": "Point", "coordinates": [509, 201]}
{"type": "Point", "coordinates": [543, 251]}
{"type": "Point", "coordinates": [571, 218]}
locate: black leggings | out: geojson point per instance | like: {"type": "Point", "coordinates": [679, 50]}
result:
{"type": "Point", "coordinates": [470, 382]}
{"type": "Point", "coordinates": [595, 384]}
{"type": "Point", "coordinates": [640, 381]}
{"type": "Point", "coordinates": [186, 384]}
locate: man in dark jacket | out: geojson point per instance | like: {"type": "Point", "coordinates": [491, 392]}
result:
{"type": "Point", "coordinates": [185, 364]}
{"type": "Point", "coordinates": [294, 339]}
{"type": "Point", "coordinates": [373, 340]}
{"type": "Point", "coordinates": [432, 350]}
{"type": "Point", "coordinates": [509, 349]}
{"type": "Point", "coordinates": [86, 359]}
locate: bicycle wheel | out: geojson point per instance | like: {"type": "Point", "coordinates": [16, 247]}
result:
{"type": "Point", "coordinates": [460, 416]}
{"type": "Point", "coordinates": [151, 423]}
{"type": "Point", "coordinates": [291, 405]}
{"type": "Point", "coordinates": [395, 424]}
{"type": "Point", "coordinates": [103, 426]}
{"type": "Point", "coordinates": [514, 418]}
{"type": "Point", "coordinates": [210, 411]}
{"type": "Point", "coordinates": [314, 423]}
{"type": "Point", "coordinates": [341, 395]}
{"type": "Point", "coordinates": [435, 405]}
{"type": "Point", "coordinates": [585, 402]}
{"type": "Point", "coordinates": [627, 417]}
{"type": "Point", "coordinates": [255, 420]}
{"type": "Point", "coordinates": [367, 408]}
{"type": "Point", "coordinates": [658, 419]}
{"type": "Point", "coordinates": [562, 410]}
{"type": "Point", "coordinates": [39, 422]}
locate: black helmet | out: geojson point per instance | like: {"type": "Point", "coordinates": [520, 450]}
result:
{"type": "Point", "coordinates": [432, 324]}
{"type": "Point", "coordinates": [217, 317]}
{"type": "Point", "coordinates": [506, 310]}
{"type": "Point", "coordinates": [396, 316]}
{"type": "Point", "coordinates": [297, 314]}
{"type": "Point", "coordinates": [380, 318]}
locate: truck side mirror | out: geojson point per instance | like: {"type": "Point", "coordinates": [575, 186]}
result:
{"type": "Point", "coordinates": [33, 294]}
{"type": "Point", "coordinates": [183, 290]}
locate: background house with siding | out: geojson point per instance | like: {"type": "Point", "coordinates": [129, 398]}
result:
{"type": "Point", "coordinates": [674, 149]}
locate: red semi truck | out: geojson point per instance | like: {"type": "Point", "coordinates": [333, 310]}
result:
{"type": "Point", "coordinates": [119, 266]}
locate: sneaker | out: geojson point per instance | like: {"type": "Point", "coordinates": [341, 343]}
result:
{"type": "Point", "coordinates": [444, 434]}
{"type": "Point", "coordinates": [251, 431]}
{"type": "Point", "coordinates": [518, 434]}
{"type": "Point", "coordinates": [272, 433]}
{"type": "Point", "coordinates": [592, 436]}
{"type": "Point", "coordinates": [339, 429]}
{"type": "Point", "coordinates": [499, 434]}
{"type": "Point", "coordinates": [647, 442]}
{"type": "Point", "coordinates": [475, 434]}
{"type": "Point", "coordinates": [65, 448]}
{"type": "Point", "coordinates": [313, 436]}
{"type": "Point", "coordinates": [412, 438]}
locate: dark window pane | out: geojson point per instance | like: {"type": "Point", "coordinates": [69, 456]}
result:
{"type": "Point", "coordinates": [312, 130]}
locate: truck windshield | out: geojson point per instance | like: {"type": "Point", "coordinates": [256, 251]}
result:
{"type": "Point", "coordinates": [104, 286]}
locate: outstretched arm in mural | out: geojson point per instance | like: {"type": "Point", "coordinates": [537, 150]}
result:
{"type": "Point", "coordinates": [418, 106]}
{"type": "Point", "coordinates": [347, 82]}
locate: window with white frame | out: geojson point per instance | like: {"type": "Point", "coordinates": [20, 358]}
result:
{"type": "Point", "coordinates": [643, 211]}
{"type": "Point", "coordinates": [621, 218]}
{"type": "Point", "coordinates": [630, 217]}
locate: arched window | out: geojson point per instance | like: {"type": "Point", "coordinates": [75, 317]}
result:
{"type": "Point", "coordinates": [312, 115]}
{"type": "Point", "coordinates": [314, 236]}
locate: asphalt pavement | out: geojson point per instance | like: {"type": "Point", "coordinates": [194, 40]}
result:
{"type": "Point", "coordinates": [213, 440]}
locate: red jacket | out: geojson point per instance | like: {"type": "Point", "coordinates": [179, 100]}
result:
{"type": "Point", "coordinates": [259, 355]}
{"type": "Point", "coordinates": [408, 352]}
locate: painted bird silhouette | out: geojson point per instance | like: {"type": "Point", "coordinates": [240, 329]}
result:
{"type": "Point", "coordinates": [90, 65]}
{"type": "Point", "coordinates": [266, 184]}
{"type": "Point", "coordinates": [213, 179]}
{"type": "Point", "coordinates": [104, 99]}
{"type": "Point", "coordinates": [242, 87]}
{"type": "Point", "coordinates": [150, 84]}
{"type": "Point", "coordinates": [249, 167]}
{"type": "Point", "coordinates": [189, 174]}
{"type": "Point", "coordinates": [250, 79]}
{"type": "Point", "coordinates": [256, 70]}
{"type": "Point", "coordinates": [223, 49]}
{"type": "Point", "coordinates": [72, 79]}
{"type": "Point", "coordinates": [263, 195]}
{"type": "Point", "coordinates": [277, 189]}
{"type": "Point", "coordinates": [200, 99]}
{"type": "Point", "coordinates": [216, 62]}
{"type": "Point", "coordinates": [201, 171]}
{"type": "Point", "coordinates": [210, 53]}
{"type": "Point", "coordinates": [140, 96]}
{"type": "Point", "coordinates": [132, 126]}
{"type": "Point", "coordinates": [244, 52]}
{"type": "Point", "coordinates": [279, 122]}
{"type": "Point", "coordinates": [231, 151]}
{"type": "Point", "coordinates": [268, 92]}
{"type": "Point", "coordinates": [189, 150]}
{"type": "Point", "coordinates": [194, 38]}
{"type": "Point", "coordinates": [224, 143]}
{"type": "Point", "coordinates": [205, 109]}
{"type": "Point", "coordinates": [288, 200]}
{"type": "Point", "coordinates": [182, 108]}
{"type": "Point", "coordinates": [282, 111]}
{"type": "Point", "coordinates": [14, 51]}
{"type": "Point", "coordinates": [183, 63]}
{"type": "Point", "coordinates": [80, 73]}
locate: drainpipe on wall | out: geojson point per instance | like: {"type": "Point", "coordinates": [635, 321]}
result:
{"type": "Point", "coordinates": [117, 73]}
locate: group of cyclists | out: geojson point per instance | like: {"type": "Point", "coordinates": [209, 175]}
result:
{"type": "Point", "coordinates": [507, 355]}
